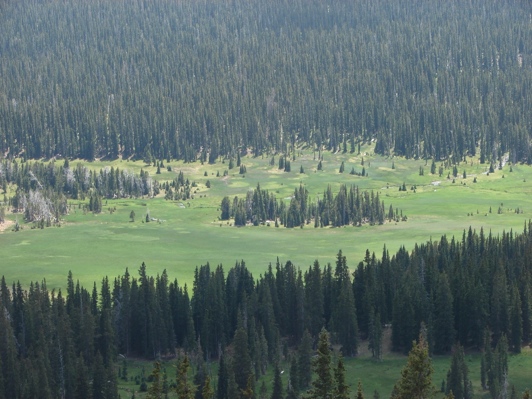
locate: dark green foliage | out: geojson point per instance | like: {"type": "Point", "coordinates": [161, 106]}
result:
{"type": "Point", "coordinates": [375, 336]}
{"type": "Point", "coordinates": [287, 167]}
{"type": "Point", "coordinates": [349, 206]}
{"type": "Point", "coordinates": [458, 381]}
{"type": "Point", "coordinates": [443, 317]}
{"type": "Point", "coordinates": [341, 389]}
{"type": "Point", "coordinates": [277, 391]}
{"type": "Point", "coordinates": [344, 319]}
{"type": "Point", "coordinates": [223, 379]}
{"type": "Point", "coordinates": [241, 359]}
{"type": "Point", "coordinates": [268, 90]}
{"type": "Point", "coordinates": [495, 365]}
{"type": "Point", "coordinates": [304, 361]}
{"type": "Point", "coordinates": [293, 381]}
{"type": "Point", "coordinates": [323, 382]}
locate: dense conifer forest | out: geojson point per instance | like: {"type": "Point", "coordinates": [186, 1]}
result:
{"type": "Point", "coordinates": [474, 291]}
{"type": "Point", "coordinates": [205, 79]}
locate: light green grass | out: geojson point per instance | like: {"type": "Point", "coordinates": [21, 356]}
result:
{"type": "Point", "coordinates": [93, 246]}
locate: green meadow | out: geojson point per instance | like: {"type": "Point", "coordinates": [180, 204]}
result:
{"type": "Point", "coordinates": [189, 233]}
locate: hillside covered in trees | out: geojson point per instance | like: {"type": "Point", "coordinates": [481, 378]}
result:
{"type": "Point", "coordinates": [205, 79]}
{"type": "Point", "coordinates": [475, 291]}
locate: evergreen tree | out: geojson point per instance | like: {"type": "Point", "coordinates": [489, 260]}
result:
{"type": "Point", "coordinates": [323, 383]}
{"type": "Point", "coordinates": [241, 358]}
{"type": "Point", "coordinates": [458, 381]}
{"type": "Point", "coordinates": [375, 336]}
{"type": "Point", "coordinates": [416, 376]}
{"type": "Point", "coordinates": [314, 299]}
{"type": "Point", "coordinates": [344, 312]}
{"type": "Point", "coordinates": [443, 330]}
{"type": "Point", "coordinates": [341, 390]}
{"type": "Point", "coordinates": [223, 379]}
{"type": "Point", "coordinates": [184, 388]}
{"type": "Point", "coordinates": [232, 387]}
{"type": "Point", "coordinates": [293, 382]}
{"type": "Point", "coordinates": [516, 321]}
{"type": "Point", "coordinates": [360, 393]}
{"type": "Point", "coordinates": [155, 391]}
{"type": "Point", "coordinates": [207, 392]}
{"type": "Point", "coordinates": [277, 392]}
{"type": "Point", "coordinates": [304, 361]}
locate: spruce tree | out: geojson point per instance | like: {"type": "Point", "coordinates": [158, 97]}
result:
{"type": "Point", "coordinates": [375, 336]}
{"type": "Point", "coordinates": [323, 383]}
{"type": "Point", "coordinates": [241, 358]}
{"type": "Point", "coordinates": [304, 361]}
{"type": "Point", "coordinates": [155, 391]}
{"type": "Point", "coordinates": [344, 311]}
{"type": "Point", "coordinates": [516, 321]}
{"type": "Point", "coordinates": [360, 392]}
{"type": "Point", "coordinates": [223, 379]}
{"type": "Point", "coordinates": [207, 392]}
{"type": "Point", "coordinates": [341, 390]}
{"type": "Point", "coordinates": [293, 382]}
{"type": "Point", "coordinates": [443, 330]}
{"type": "Point", "coordinates": [416, 376]}
{"type": "Point", "coordinates": [277, 392]}
{"type": "Point", "coordinates": [458, 376]}
{"type": "Point", "coordinates": [184, 388]}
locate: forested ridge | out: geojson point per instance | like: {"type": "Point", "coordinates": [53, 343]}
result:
{"type": "Point", "coordinates": [167, 79]}
{"type": "Point", "coordinates": [475, 291]}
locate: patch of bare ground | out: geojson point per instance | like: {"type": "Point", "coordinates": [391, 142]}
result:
{"type": "Point", "coordinates": [6, 225]}
{"type": "Point", "coordinates": [363, 350]}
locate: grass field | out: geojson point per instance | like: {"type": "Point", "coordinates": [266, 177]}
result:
{"type": "Point", "coordinates": [105, 244]}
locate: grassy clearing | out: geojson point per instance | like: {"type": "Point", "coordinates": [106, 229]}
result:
{"type": "Point", "coordinates": [96, 245]}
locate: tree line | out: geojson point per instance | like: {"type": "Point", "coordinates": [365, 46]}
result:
{"type": "Point", "coordinates": [350, 206]}
{"type": "Point", "coordinates": [205, 80]}
{"type": "Point", "coordinates": [475, 292]}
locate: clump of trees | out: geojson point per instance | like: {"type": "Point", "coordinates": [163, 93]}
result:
{"type": "Point", "coordinates": [180, 188]}
{"type": "Point", "coordinates": [43, 189]}
{"type": "Point", "coordinates": [350, 206]}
